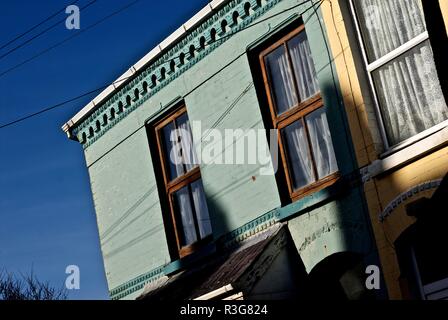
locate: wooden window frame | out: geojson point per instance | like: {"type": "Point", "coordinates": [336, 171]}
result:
{"type": "Point", "coordinates": [299, 111]}
{"type": "Point", "coordinates": [172, 186]}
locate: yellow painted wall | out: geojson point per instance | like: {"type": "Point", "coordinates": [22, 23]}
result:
{"type": "Point", "coordinates": [444, 9]}
{"type": "Point", "coordinates": [379, 191]}
{"type": "Point", "coordinates": [354, 101]}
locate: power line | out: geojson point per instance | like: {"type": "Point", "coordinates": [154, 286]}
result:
{"type": "Point", "coordinates": [58, 105]}
{"type": "Point", "coordinates": [69, 38]}
{"type": "Point", "coordinates": [218, 39]}
{"type": "Point", "coordinates": [41, 33]}
{"type": "Point", "coordinates": [124, 79]}
{"type": "Point", "coordinates": [186, 94]}
{"type": "Point", "coordinates": [34, 27]}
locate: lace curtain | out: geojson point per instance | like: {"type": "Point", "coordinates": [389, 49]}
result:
{"type": "Point", "coordinates": [200, 205]}
{"type": "Point", "coordinates": [186, 141]}
{"type": "Point", "coordinates": [182, 198]}
{"type": "Point", "coordinates": [282, 75]}
{"type": "Point", "coordinates": [321, 145]}
{"type": "Point", "coordinates": [189, 211]}
{"type": "Point", "coordinates": [303, 65]}
{"type": "Point", "coordinates": [408, 88]}
{"type": "Point", "coordinates": [281, 80]}
{"type": "Point", "coordinates": [172, 152]}
{"type": "Point", "coordinates": [301, 166]}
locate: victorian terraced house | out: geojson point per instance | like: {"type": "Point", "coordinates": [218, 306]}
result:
{"type": "Point", "coordinates": [358, 114]}
{"type": "Point", "coordinates": [389, 57]}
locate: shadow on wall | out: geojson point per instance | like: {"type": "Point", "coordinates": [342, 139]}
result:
{"type": "Point", "coordinates": [219, 218]}
{"type": "Point", "coordinates": [437, 33]}
{"type": "Point", "coordinates": [420, 248]}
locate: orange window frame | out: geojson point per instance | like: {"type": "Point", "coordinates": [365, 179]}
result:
{"type": "Point", "coordinates": [296, 113]}
{"type": "Point", "coordinates": [171, 186]}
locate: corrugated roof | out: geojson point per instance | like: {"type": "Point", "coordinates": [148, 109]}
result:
{"type": "Point", "coordinates": [221, 271]}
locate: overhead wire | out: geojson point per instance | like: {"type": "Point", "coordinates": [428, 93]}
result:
{"type": "Point", "coordinates": [68, 38]}
{"type": "Point", "coordinates": [177, 57]}
{"type": "Point", "coordinates": [35, 26]}
{"type": "Point", "coordinates": [41, 33]}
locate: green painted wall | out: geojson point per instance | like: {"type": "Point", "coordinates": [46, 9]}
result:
{"type": "Point", "coordinates": [122, 177]}
{"type": "Point", "coordinates": [337, 226]}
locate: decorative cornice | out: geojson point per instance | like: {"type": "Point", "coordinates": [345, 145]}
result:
{"type": "Point", "coordinates": [234, 16]}
{"type": "Point", "coordinates": [136, 284]}
{"type": "Point", "coordinates": [249, 229]}
{"type": "Point", "coordinates": [407, 195]}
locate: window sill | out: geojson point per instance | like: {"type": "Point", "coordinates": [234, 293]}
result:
{"type": "Point", "coordinates": [181, 264]}
{"type": "Point", "coordinates": [194, 247]}
{"type": "Point", "coordinates": [317, 198]}
{"type": "Point", "coordinates": [315, 187]}
{"type": "Point", "coordinates": [421, 146]}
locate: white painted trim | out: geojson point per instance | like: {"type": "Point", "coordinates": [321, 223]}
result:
{"type": "Point", "coordinates": [408, 154]}
{"type": "Point", "coordinates": [375, 99]}
{"type": "Point", "coordinates": [398, 51]}
{"type": "Point", "coordinates": [436, 290]}
{"type": "Point", "coordinates": [414, 139]}
{"type": "Point", "coordinates": [436, 286]}
{"type": "Point", "coordinates": [204, 13]}
{"type": "Point", "coordinates": [236, 296]}
{"type": "Point", "coordinates": [216, 293]}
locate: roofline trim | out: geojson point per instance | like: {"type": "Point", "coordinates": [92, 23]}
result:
{"type": "Point", "coordinates": [199, 17]}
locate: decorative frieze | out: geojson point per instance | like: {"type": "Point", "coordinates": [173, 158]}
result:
{"type": "Point", "coordinates": [205, 38]}
{"type": "Point", "coordinates": [227, 242]}
{"type": "Point", "coordinates": [406, 196]}
{"type": "Point", "coordinates": [135, 284]}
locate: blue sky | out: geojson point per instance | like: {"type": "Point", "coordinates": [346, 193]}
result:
{"type": "Point", "coordinates": [47, 220]}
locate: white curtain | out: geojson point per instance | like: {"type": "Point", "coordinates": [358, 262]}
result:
{"type": "Point", "coordinates": [408, 87]}
{"type": "Point", "coordinates": [200, 206]}
{"type": "Point", "coordinates": [172, 151]}
{"type": "Point", "coordinates": [183, 202]}
{"type": "Point", "coordinates": [387, 24]}
{"type": "Point", "coordinates": [281, 80]}
{"type": "Point", "coordinates": [303, 65]}
{"type": "Point", "coordinates": [188, 151]}
{"type": "Point", "coordinates": [321, 143]}
{"type": "Point", "coordinates": [299, 157]}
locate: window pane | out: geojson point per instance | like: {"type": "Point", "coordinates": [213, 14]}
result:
{"type": "Point", "coordinates": [280, 80]}
{"type": "Point", "coordinates": [409, 93]}
{"type": "Point", "coordinates": [388, 24]}
{"type": "Point", "coordinates": [300, 165]}
{"type": "Point", "coordinates": [200, 206]}
{"type": "Point", "coordinates": [304, 71]}
{"type": "Point", "coordinates": [321, 143]}
{"type": "Point", "coordinates": [173, 160]}
{"type": "Point", "coordinates": [188, 151]}
{"type": "Point", "coordinates": [184, 210]}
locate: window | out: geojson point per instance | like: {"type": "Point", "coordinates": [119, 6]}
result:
{"type": "Point", "coordinates": [298, 113]}
{"type": "Point", "coordinates": [182, 180]}
{"type": "Point", "coordinates": [424, 272]}
{"type": "Point", "coordinates": [400, 65]}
